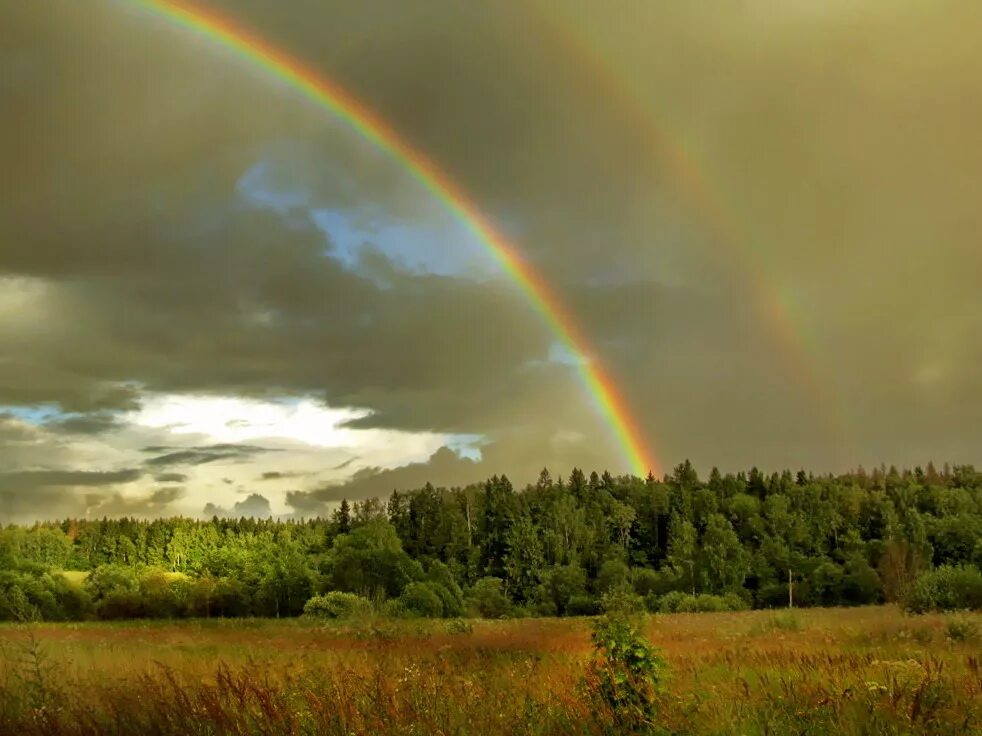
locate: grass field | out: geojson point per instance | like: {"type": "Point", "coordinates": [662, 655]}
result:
{"type": "Point", "coordinates": [842, 671]}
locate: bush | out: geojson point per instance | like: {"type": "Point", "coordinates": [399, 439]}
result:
{"type": "Point", "coordinates": [783, 621]}
{"type": "Point", "coordinates": [678, 602]}
{"type": "Point", "coordinates": [420, 599]}
{"type": "Point", "coordinates": [583, 605]}
{"type": "Point", "coordinates": [337, 605]}
{"type": "Point", "coordinates": [459, 626]}
{"type": "Point", "coordinates": [624, 677]}
{"type": "Point", "coordinates": [962, 629]}
{"type": "Point", "coordinates": [442, 583]}
{"type": "Point", "coordinates": [622, 599]}
{"type": "Point", "coordinates": [946, 588]}
{"type": "Point", "coordinates": [487, 598]}
{"type": "Point", "coordinates": [612, 574]}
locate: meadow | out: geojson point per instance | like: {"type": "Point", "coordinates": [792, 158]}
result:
{"type": "Point", "coordinates": [871, 670]}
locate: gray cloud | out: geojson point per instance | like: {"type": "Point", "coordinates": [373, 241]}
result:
{"type": "Point", "coordinates": [254, 505]}
{"type": "Point", "coordinates": [91, 424]}
{"type": "Point", "coordinates": [203, 455]}
{"type": "Point", "coordinates": [30, 495]}
{"type": "Point", "coordinates": [170, 477]}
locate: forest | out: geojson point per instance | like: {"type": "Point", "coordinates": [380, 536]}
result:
{"type": "Point", "coordinates": [558, 547]}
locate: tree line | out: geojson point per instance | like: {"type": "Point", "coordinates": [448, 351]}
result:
{"type": "Point", "coordinates": [558, 547]}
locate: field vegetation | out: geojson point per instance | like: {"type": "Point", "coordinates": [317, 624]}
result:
{"type": "Point", "coordinates": [871, 670]}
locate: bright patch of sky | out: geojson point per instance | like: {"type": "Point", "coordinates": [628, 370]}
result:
{"type": "Point", "coordinates": [435, 243]}
{"type": "Point", "coordinates": [305, 420]}
{"type": "Point", "coordinates": [302, 443]}
{"type": "Point", "coordinates": [33, 414]}
{"type": "Point", "coordinates": [467, 446]}
{"type": "Point", "coordinates": [558, 354]}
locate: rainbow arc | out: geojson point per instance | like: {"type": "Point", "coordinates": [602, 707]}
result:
{"type": "Point", "coordinates": [333, 98]}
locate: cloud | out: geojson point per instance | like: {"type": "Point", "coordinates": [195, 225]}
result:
{"type": "Point", "coordinates": [94, 423]}
{"type": "Point", "coordinates": [30, 495]}
{"type": "Point", "coordinates": [170, 478]}
{"type": "Point", "coordinates": [200, 456]}
{"type": "Point", "coordinates": [254, 506]}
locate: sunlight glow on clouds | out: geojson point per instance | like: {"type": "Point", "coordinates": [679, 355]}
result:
{"type": "Point", "coordinates": [304, 421]}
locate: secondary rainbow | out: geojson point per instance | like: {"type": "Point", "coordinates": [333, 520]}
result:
{"type": "Point", "coordinates": [340, 102]}
{"type": "Point", "coordinates": [774, 299]}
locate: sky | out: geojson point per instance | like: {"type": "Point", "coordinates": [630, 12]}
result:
{"type": "Point", "coordinates": [217, 297]}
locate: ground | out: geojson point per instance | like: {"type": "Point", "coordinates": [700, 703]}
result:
{"type": "Point", "coordinates": [843, 671]}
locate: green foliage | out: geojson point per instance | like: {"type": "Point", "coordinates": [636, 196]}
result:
{"type": "Point", "coordinates": [783, 621]}
{"type": "Point", "coordinates": [622, 599]}
{"type": "Point", "coordinates": [337, 605]}
{"type": "Point", "coordinates": [560, 585]}
{"type": "Point", "coordinates": [947, 588]}
{"type": "Point", "coordinates": [961, 629]}
{"type": "Point", "coordinates": [487, 598]}
{"type": "Point", "coordinates": [422, 600]}
{"type": "Point", "coordinates": [557, 548]}
{"type": "Point", "coordinates": [459, 626]}
{"type": "Point", "coordinates": [443, 584]}
{"type": "Point", "coordinates": [677, 602]}
{"type": "Point", "coordinates": [371, 561]}
{"type": "Point", "coordinates": [625, 676]}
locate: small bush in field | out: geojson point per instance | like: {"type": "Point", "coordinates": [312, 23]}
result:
{"type": "Point", "coordinates": [961, 629]}
{"type": "Point", "coordinates": [459, 626]}
{"type": "Point", "coordinates": [678, 602]}
{"type": "Point", "coordinates": [783, 621]}
{"type": "Point", "coordinates": [336, 605]}
{"type": "Point", "coordinates": [946, 588]}
{"type": "Point", "coordinates": [625, 676]}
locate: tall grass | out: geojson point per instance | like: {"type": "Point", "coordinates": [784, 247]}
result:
{"type": "Point", "coordinates": [839, 671]}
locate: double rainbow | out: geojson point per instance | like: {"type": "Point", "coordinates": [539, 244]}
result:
{"type": "Point", "coordinates": [333, 98]}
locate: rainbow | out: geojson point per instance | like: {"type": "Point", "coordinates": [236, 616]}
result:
{"type": "Point", "coordinates": [338, 101]}
{"type": "Point", "coordinates": [773, 299]}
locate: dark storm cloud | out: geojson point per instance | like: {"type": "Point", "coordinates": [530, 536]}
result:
{"type": "Point", "coordinates": [157, 503]}
{"type": "Point", "coordinates": [254, 506]}
{"type": "Point", "coordinates": [444, 464]}
{"type": "Point", "coordinates": [203, 455]}
{"type": "Point", "coordinates": [47, 478]}
{"type": "Point", "coordinates": [838, 155]}
{"type": "Point", "coordinates": [170, 478]}
{"type": "Point", "coordinates": [86, 424]}
{"type": "Point", "coordinates": [30, 495]}
{"type": "Point", "coordinates": [280, 475]}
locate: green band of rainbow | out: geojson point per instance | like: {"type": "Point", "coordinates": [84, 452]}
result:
{"type": "Point", "coordinates": [338, 101]}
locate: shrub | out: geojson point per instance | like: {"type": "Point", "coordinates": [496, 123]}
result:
{"type": "Point", "coordinates": [583, 605]}
{"type": "Point", "coordinates": [860, 583]}
{"type": "Point", "coordinates": [420, 599]}
{"type": "Point", "coordinates": [487, 598]}
{"type": "Point", "coordinates": [612, 574]}
{"type": "Point", "coordinates": [946, 588]}
{"type": "Point", "coordinates": [337, 605]}
{"type": "Point", "coordinates": [625, 674]}
{"type": "Point", "coordinates": [678, 602]}
{"type": "Point", "coordinates": [442, 583]}
{"type": "Point", "coordinates": [459, 626]}
{"type": "Point", "coordinates": [961, 629]}
{"type": "Point", "coordinates": [622, 599]}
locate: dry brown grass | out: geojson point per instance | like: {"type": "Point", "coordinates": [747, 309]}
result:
{"type": "Point", "coordinates": [844, 671]}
